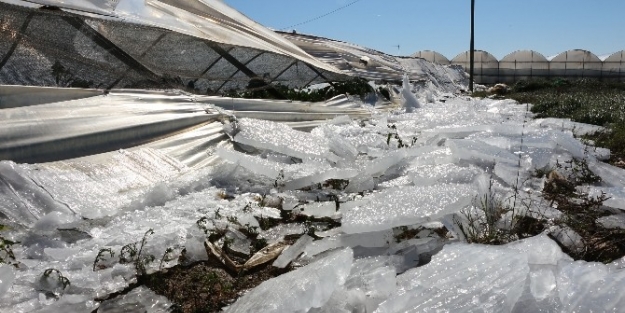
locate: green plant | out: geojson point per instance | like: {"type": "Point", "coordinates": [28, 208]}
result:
{"type": "Point", "coordinates": [101, 256]}
{"type": "Point", "coordinates": [167, 257]}
{"type": "Point", "coordinates": [130, 253]}
{"type": "Point", "coordinates": [53, 282]}
{"type": "Point", "coordinates": [6, 251]}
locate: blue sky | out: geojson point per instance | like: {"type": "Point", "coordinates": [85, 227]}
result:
{"type": "Point", "coordinates": [501, 26]}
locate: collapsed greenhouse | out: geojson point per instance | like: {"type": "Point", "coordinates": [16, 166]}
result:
{"type": "Point", "coordinates": [121, 163]}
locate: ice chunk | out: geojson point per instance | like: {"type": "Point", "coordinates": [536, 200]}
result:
{"type": "Point", "coordinates": [410, 100]}
{"type": "Point", "coordinates": [288, 176]}
{"type": "Point", "coordinates": [308, 287]}
{"type": "Point", "coordinates": [366, 240]}
{"type": "Point", "coordinates": [375, 277]}
{"type": "Point", "coordinates": [292, 252]}
{"type": "Point", "coordinates": [591, 287]}
{"type": "Point", "coordinates": [277, 233]}
{"type": "Point", "coordinates": [616, 194]}
{"type": "Point", "coordinates": [238, 242]}
{"type": "Point", "coordinates": [425, 175]}
{"type": "Point", "coordinates": [483, 279]}
{"type": "Point", "coordinates": [256, 165]}
{"type": "Point", "coordinates": [612, 221]}
{"type": "Point", "coordinates": [267, 135]}
{"type": "Point", "coordinates": [542, 283]}
{"type": "Point", "coordinates": [320, 209]}
{"type": "Point", "coordinates": [407, 206]}
{"type": "Point", "coordinates": [138, 300]}
{"type": "Point", "coordinates": [480, 152]}
{"type": "Point", "coordinates": [71, 303]}
{"type": "Point", "coordinates": [540, 250]}
{"type": "Point", "coordinates": [7, 275]}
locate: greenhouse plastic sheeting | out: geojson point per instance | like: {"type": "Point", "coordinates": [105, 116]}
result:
{"type": "Point", "coordinates": [80, 122]}
{"type": "Point", "coordinates": [201, 46]}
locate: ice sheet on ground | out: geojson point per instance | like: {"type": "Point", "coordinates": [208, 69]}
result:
{"type": "Point", "coordinates": [612, 221]}
{"type": "Point", "coordinates": [292, 252]}
{"type": "Point", "coordinates": [590, 287]}
{"type": "Point", "coordinates": [425, 175]}
{"type": "Point", "coordinates": [407, 206]}
{"type": "Point", "coordinates": [368, 240]}
{"type": "Point", "coordinates": [291, 176]}
{"type": "Point", "coordinates": [484, 278]}
{"type": "Point", "coordinates": [410, 101]}
{"type": "Point", "coordinates": [7, 276]}
{"type": "Point", "coordinates": [267, 135]}
{"type": "Point", "coordinates": [298, 291]}
{"type": "Point", "coordinates": [139, 300]}
{"type": "Point", "coordinates": [319, 209]}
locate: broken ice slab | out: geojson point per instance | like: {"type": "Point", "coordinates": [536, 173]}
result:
{"type": "Point", "coordinates": [568, 143]}
{"type": "Point", "coordinates": [300, 290]}
{"type": "Point", "coordinates": [292, 252]}
{"type": "Point", "coordinates": [307, 174]}
{"type": "Point", "coordinates": [336, 143]}
{"type": "Point", "coordinates": [407, 206]}
{"type": "Point", "coordinates": [425, 175]}
{"type": "Point", "coordinates": [480, 153]}
{"type": "Point", "coordinates": [7, 275]}
{"type": "Point", "coordinates": [366, 240]}
{"type": "Point", "coordinates": [540, 250]}
{"type": "Point", "coordinates": [237, 242]}
{"type": "Point", "coordinates": [578, 129]}
{"type": "Point", "coordinates": [278, 137]}
{"type": "Point", "coordinates": [463, 277]}
{"type": "Point", "coordinates": [375, 278]}
{"type": "Point", "coordinates": [288, 176]}
{"type": "Point", "coordinates": [319, 209]}
{"type": "Point", "coordinates": [415, 251]}
{"type": "Point", "coordinates": [610, 175]}
{"type": "Point", "coordinates": [591, 287]}
{"type": "Point", "coordinates": [278, 233]}
{"type": "Point", "coordinates": [255, 164]}
{"type": "Point", "coordinates": [381, 164]}
{"type": "Point", "coordinates": [139, 300]}
{"type": "Point", "coordinates": [615, 221]}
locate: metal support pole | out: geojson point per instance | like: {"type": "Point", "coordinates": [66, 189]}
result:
{"type": "Point", "coordinates": [472, 48]}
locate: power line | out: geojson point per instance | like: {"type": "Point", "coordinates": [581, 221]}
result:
{"type": "Point", "coordinates": [322, 16]}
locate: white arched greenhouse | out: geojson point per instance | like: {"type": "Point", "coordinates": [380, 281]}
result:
{"type": "Point", "coordinates": [432, 56]}
{"type": "Point", "coordinates": [576, 63]}
{"type": "Point", "coordinates": [522, 64]}
{"type": "Point", "coordinates": [614, 66]}
{"type": "Point", "coordinates": [486, 69]}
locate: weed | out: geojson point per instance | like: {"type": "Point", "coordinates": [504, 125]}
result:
{"type": "Point", "coordinates": [392, 134]}
{"type": "Point", "coordinates": [6, 251]}
{"type": "Point", "coordinates": [168, 256]}
{"type": "Point", "coordinates": [130, 253]}
{"type": "Point", "coordinates": [100, 257]}
{"type": "Point", "coordinates": [53, 283]}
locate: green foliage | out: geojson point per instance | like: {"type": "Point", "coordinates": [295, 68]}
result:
{"type": "Point", "coordinates": [101, 256]}
{"type": "Point", "coordinates": [356, 86]}
{"type": "Point", "coordinates": [392, 134]}
{"type": "Point", "coordinates": [54, 273]}
{"type": "Point", "coordinates": [6, 252]}
{"type": "Point", "coordinates": [582, 100]}
{"type": "Point", "coordinates": [130, 253]}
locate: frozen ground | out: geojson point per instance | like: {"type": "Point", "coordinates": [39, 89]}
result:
{"type": "Point", "coordinates": [378, 176]}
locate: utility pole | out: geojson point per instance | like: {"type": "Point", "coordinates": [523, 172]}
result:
{"type": "Point", "coordinates": [472, 48]}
